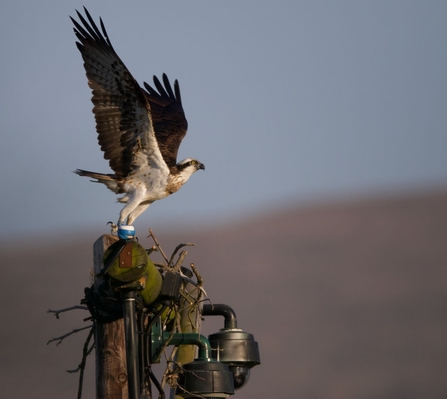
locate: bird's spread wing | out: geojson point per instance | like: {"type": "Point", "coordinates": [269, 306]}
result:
{"type": "Point", "coordinates": [122, 112]}
{"type": "Point", "coordinates": [168, 117]}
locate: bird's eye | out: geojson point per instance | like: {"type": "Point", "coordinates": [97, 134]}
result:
{"type": "Point", "coordinates": [193, 162]}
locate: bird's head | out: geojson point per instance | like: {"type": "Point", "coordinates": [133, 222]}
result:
{"type": "Point", "coordinates": [182, 172]}
{"type": "Point", "coordinates": [188, 166]}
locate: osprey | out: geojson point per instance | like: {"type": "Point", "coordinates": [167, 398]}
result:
{"type": "Point", "coordinates": [139, 130]}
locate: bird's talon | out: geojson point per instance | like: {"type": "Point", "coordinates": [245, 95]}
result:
{"type": "Point", "coordinates": [113, 227]}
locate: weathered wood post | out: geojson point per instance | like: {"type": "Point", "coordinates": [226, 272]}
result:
{"type": "Point", "coordinates": [111, 369]}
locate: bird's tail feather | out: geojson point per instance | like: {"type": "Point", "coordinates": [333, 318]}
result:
{"type": "Point", "coordinates": [109, 180]}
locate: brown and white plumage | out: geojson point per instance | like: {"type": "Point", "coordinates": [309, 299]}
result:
{"type": "Point", "coordinates": [139, 130]}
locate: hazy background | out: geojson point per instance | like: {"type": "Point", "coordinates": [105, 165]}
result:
{"type": "Point", "coordinates": [286, 101]}
{"type": "Point", "coordinates": [321, 214]}
{"type": "Point", "coordinates": [346, 300]}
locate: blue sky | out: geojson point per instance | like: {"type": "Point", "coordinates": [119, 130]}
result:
{"type": "Point", "coordinates": [286, 101]}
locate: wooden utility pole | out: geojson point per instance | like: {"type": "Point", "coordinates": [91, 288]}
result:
{"type": "Point", "coordinates": [111, 369]}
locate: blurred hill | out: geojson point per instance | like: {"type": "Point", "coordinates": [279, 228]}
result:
{"type": "Point", "coordinates": [347, 300]}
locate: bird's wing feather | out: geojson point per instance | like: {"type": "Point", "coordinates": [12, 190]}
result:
{"type": "Point", "coordinates": [122, 112]}
{"type": "Point", "coordinates": [168, 117]}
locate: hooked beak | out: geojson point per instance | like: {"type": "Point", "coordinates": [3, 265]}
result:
{"type": "Point", "coordinates": [201, 166]}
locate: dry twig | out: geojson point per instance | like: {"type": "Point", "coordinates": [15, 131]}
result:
{"type": "Point", "coordinates": [62, 337]}
{"type": "Point", "coordinates": [187, 244]}
{"type": "Point", "coordinates": [81, 368]}
{"type": "Point", "coordinates": [56, 312]}
{"type": "Point", "coordinates": [151, 234]}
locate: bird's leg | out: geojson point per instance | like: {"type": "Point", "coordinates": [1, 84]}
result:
{"type": "Point", "coordinates": [137, 212]}
{"type": "Point", "coordinates": [131, 206]}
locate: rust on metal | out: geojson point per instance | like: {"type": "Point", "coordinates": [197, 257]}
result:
{"type": "Point", "coordinates": [125, 257]}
